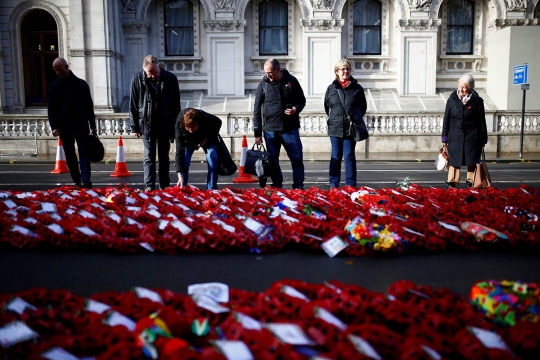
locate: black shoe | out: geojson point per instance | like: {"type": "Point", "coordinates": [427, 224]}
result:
{"type": "Point", "coordinates": [450, 184]}
{"type": "Point", "coordinates": [86, 185]}
{"type": "Point", "coordinates": [468, 184]}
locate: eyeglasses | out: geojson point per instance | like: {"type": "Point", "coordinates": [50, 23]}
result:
{"type": "Point", "coordinates": [271, 72]}
{"type": "Point", "coordinates": [344, 69]}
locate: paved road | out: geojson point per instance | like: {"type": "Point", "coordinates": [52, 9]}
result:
{"type": "Point", "coordinates": [85, 273]}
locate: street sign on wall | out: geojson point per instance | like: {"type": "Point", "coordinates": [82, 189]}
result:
{"type": "Point", "coordinates": [521, 74]}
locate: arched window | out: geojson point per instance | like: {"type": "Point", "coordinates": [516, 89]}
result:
{"type": "Point", "coordinates": [273, 27]}
{"type": "Point", "coordinates": [367, 27]}
{"type": "Point", "coordinates": [179, 28]}
{"type": "Point", "coordinates": [39, 39]}
{"type": "Point", "coordinates": [459, 26]}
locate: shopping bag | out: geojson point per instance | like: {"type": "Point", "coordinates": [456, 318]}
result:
{"type": "Point", "coordinates": [482, 179]}
{"type": "Point", "coordinates": [96, 151]}
{"type": "Point", "coordinates": [258, 161]}
{"type": "Point", "coordinates": [441, 162]}
{"type": "Point", "coordinates": [226, 165]}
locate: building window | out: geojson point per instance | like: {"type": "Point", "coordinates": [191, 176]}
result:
{"type": "Point", "coordinates": [39, 47]}
{"type": "Point", "coordinates": [459, 26]}
{"type": "Point", "coordinates": [179, 28]}
{"type": "Point", "coordinates": [273, 27]}
{"type": "Point", "coordinates": [367, 27]}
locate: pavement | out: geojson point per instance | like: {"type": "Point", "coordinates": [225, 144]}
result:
{"type": "Point", "coordinates": [507, 157]}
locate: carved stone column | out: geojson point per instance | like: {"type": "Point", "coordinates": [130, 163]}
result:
{"type": "Point", "coordinates": [321, 49]}
{"type": "Point", "coordinates": [225, 48]}
{"type": "Point", "coordinates": [418, 49]}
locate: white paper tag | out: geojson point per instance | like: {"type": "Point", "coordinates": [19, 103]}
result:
{"type": "Point", "coordinates": [489, 339]}
{"type": "Point", "coordinates": [147, 246]}
{"type": "Point", "coordinates": [92, 193]}
{"type": "Point", "coordinates": [248, 322]}
{"type": "Point", "coordinates": [233, 350]}
{"type": "Point", "coordinates": [450, 227]}
{"type": "Point", "coordinates": [142, 195]}
{"type": "Point", "coordinates": [13, 213]}
{"type": "Point", "coordinates": [114, 216]}
{"type": "Point", "coordinates": [156, 198]}
{"type": "Point", "coordinates": [130, 200]}
{"type": "Point", "coordinates": [413, 232]}
{"type": "Point", "coordinates": [254, 225]}
{"type": "Point", "coordinates": [114, 318]}
{"type": "Point", "coordinates": [48, 207]}
{"type": "Point", "coordinates": [364, 347]}
{"type": "Point", "coordinates": [86, 230]}
{"type": "Point", "coordinates": [171, 216]}
{"type": "Point", "coordinates": [216, 291]}
{"type": "Point", "coordinates": [162, 224]}
{"type": "Point", "coordinates": [56, 228]}
{"type": "Point", "coordinates": [289, 290]}
{"type": "Point", "coordinates": [18, 305]}
{"type": "Point", "coordinates": [10, 204]}
{"type": "Point", "coordinates": [224, 225]}
{"type": "Point", "coordinates": [431, 353]}
{"type": "Point", "coordinates": [133, 208]}
{"type": "Point", "coordinates": [148, 294]}
{"type": "Point", "coordinates": [154, 213]}
{"type": "Point", "coordinates": [330, 318]}
{"type": "Point", "coordinates": [70, 211]}
{"type": "Point", "coordinates": [334, 245]}
{"type": "Point", "coordinates": [96, 306]}
{"type": "Point", "coordinates": [184, 229]}
{"type": "Point", "coordinates": [4, 195]}
{"type": "Point", "coordinates": [288, 218]}
{"type": "Point", "coordinates": [66, 197]}
{"type": "Point", "coordinates": [290, 334]}
{"type": "Point", "coordinates": [97, 206]}
{"type": "Point", "coordinates": [31, 220]}
{"type": "Point", "coordinates": [207, 303]}
{"type": "Point", "coordinates": [86, 214]}
{"type": "Point", "coordinates": [183, 207]}
{"type": "Point", "coordinates": [22, 230]}
{"type": "Point", "coordinates": [55, 216]}
{"type": "Point", "coordinates": [130, 221]}
{"type": "Point", "coordinates": [15, 332]}
{"type": "Point", "coordinates": [57, 353]}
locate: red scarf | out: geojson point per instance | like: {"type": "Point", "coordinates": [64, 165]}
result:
{"type": "Point", "coordinates": [344, 83]}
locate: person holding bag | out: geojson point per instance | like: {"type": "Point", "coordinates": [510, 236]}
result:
{"type": "Point", "coordinates": [345, 104]}
{"type": "Point", "coordinates": [464, 130]}
{"type": "Point", "coordinates": [195, 129]}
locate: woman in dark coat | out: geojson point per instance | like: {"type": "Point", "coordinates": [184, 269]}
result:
{"type": "Point", "coordinates": [344, 102]}
{"type": "Point", "coordinates": [195, 129]}
{"type": "Point", "coordinates": [464, 130]}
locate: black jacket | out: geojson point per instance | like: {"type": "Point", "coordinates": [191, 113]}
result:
{"type": "Point", "coordinates": [355, 103]}
{"type": "Point", "coordinates": [464, 129]}
{"type": "Point", "coordinates": [70, 106]}
{"type": "Point", "coordinates": [140, 103]}
{"type": "Point", "coordinates": [208, 129]}
{"type": "Point", "coordinates": [271, 99]}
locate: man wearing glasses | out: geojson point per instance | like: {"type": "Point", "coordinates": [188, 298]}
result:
{"type": "Point", "coordinates": [278, 102]}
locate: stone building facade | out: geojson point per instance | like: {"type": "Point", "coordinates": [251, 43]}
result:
{"type": "Point", "coordinates": [217, 48]}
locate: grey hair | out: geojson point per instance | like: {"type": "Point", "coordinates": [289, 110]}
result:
{"type": "Point", "coordinates": [467, 79]}
{"type": "Point", "coordinates": [149, 59]}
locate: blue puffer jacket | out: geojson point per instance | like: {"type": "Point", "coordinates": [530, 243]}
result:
{"type": "Point", "coordinates": [271, 99]}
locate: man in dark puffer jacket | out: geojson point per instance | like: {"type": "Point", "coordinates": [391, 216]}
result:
{"type": "Point", "coordinates": [278, 102]}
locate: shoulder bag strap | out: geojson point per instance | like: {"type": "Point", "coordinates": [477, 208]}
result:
{"type": "Point", "coordinates": [340, 95]}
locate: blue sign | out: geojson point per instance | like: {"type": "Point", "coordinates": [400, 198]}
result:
{"type": "Point", "coordinates": [521, 74]}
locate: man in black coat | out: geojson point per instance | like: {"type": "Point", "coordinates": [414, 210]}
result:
{"type": "Point", "coordinates": [153, 107]}
{"type": "Point", "coordinates": [279, 99]}
{"type": "Point", "coordinates": [71, 116]}
{"type": "Point", "coordinates": [197, 129]}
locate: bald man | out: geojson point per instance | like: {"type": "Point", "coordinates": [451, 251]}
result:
{"type": "Point", "coordinates": [71, 116]}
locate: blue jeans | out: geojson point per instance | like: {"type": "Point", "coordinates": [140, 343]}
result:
{"type": "Point", "coordinates": [211, 160]}
{"type": "Point", "coordinates": [293, 146]}
{"type": "Point", "coordinates": [68, 142]}
{"type": "Point", "coordinates": [163, 147]}
{"type": "Point", "coordinates": [342, 147]}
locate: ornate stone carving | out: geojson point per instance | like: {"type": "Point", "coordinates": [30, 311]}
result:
{"type": "Point", "coordinates": [136, 27]}
{"type": "Point", "coordinates": [224, 25]}
{"type": "Point", "coordinates": [420, 5]}
{"type": "Point", "coordinates": [130, 5]}
{"type": "Point", "coordinates": [516, 5]}
{"type": "Point", "coordinates": [322, 4]}
{"type": "Point", "coordinates": [499, 24]}
{"type": "Point", "coordinates": [323, 25]}
{"type": "Point", "coordinates": [431, 24]}
{"type": "Point", "coordinates": [224, 4]}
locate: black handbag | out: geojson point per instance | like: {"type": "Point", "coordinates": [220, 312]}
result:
{"type": "Point", "coordinates": [358, 132]}
{"type": "Point", "coordinates": [96, 151]}
{"type": "Point", "coordinates": [226, 165]}
{"type": "Point", "coordinates": [258, 161]}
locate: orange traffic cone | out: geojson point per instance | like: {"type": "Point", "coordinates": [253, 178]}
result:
{"type": "Point", "coordinates": [60, 166]}
{"type": "Point", "coordinates": [120, 169]}
{"type": "Point", "coordinates": [244, 178]}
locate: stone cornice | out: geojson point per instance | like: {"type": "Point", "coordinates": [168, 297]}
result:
{"type": "Point", "coordinates": [416, 25]}
{"type": "Point", "coordinates": [224, 25]}
{"type": "Point", "coordinates": [138, 27]}
{"type": "Point", "coordinates": [322, 24]}
{"type": "Point", "coordinates": [95, 53]}
{"type": "Point", "coordinates": [498, 24]}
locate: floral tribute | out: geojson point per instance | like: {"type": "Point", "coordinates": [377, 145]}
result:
{"type": "Point", "coordinates": [290, 320]}
{"type": "Point", "coordinates": [354, 221]}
